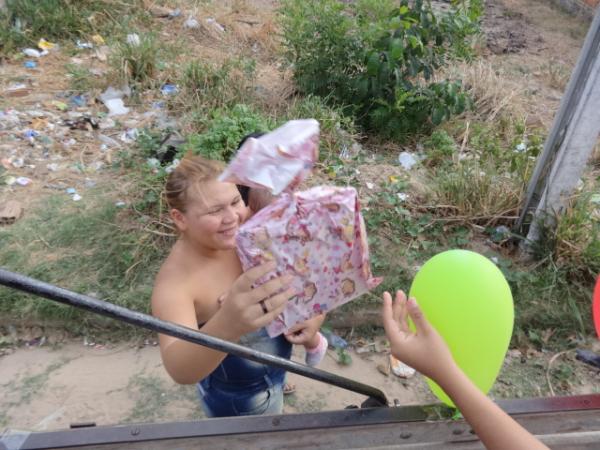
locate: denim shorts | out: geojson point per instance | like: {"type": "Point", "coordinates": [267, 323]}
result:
{"type": "Point", "coordinates": [264, 397]}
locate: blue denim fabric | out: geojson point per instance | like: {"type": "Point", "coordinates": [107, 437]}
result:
{"type": "Point", "coordinates": [240, 387]}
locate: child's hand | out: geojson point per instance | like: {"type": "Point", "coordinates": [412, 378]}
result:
{"type": "Point", "coordinates": [425, 350]}
{"type": "Point", "coordinates": [304, 333]}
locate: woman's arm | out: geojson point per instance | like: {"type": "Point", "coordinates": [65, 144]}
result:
{"type": "Point", "coordinates": [241, 313]}
{"type": "Point", "coordinates": [426, 351]}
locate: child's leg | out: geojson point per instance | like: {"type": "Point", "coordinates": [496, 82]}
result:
{"type": "Point", "coordinates": [316, 349]}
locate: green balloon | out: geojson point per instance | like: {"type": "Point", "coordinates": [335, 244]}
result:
{"type": "Point", "coordinates": [468, 301]}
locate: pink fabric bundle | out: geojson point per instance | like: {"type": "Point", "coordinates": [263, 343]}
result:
{"type": "Point", "coordinates": [318, 235]}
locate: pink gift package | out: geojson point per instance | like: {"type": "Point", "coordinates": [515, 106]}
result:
{"type": "Point", "coordinates": [318, 235]}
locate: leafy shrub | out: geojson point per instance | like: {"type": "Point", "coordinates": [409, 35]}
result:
{"type": "Point", "coordinates": [440, 148]}
{"type": "Point", "coordinates": [224, 130]}
{"type": "Point", "coordinates": [378, 60]}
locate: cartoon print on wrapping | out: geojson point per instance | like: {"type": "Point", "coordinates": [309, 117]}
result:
{"type": "Point", "coordinates": [277, 161]}
{"type": "Point", "coordinates": [320, 237]}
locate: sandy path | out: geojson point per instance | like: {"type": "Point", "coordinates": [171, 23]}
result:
{"type": "Point", "coordinates": [47, 389]}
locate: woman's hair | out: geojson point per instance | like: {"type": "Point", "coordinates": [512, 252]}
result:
{"type": "Point", "coordinates": [191, 171]}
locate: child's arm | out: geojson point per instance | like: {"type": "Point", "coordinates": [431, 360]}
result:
{"type": "Point", "coordinates": [258, 199]}
{"type": "Point", "coordinates": [426, 351]}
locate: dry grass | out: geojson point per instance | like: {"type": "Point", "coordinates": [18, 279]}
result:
{"type": "Point", "coordinates": [472, 194]}
{"type": "Point", "coordinates": [493, 92]}
{"type": "Point", "coordinates": [555, 74]}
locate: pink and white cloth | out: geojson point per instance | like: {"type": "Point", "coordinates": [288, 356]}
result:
{"type": "Point", "coordinates": [318, 235]}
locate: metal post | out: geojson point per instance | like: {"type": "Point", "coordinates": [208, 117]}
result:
{"type": "Point", "coordinates": [46, 290]}
{"type": "Point", "coordinates": [571, 140]}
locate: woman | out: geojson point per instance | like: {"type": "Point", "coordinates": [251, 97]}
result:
{"type": "Point", "coordinates": [201, 285]}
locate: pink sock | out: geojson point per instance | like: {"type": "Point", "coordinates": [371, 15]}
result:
{"type": "Point", "coordinates": [315, 355]}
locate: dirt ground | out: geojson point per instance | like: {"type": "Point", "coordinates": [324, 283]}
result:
{"type": "Point", "coordinates": [45, 388]}
{"type": "Point", "coordinates": [52, 386]}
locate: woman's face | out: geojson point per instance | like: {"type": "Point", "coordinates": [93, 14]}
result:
{"type": "Point", "coordinates": [213, 215]}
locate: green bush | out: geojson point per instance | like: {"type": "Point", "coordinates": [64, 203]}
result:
{"type": "Point", "coordinates": [224, 130]}
{"type": "Point", "coordinates": [378, 60]}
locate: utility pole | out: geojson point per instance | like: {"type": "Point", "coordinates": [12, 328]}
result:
{"type": "Point", "coordinates": [570, 143]}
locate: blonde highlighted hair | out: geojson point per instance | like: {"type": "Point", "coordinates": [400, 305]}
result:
{"type": "Point", "coordinates": [188, 175]}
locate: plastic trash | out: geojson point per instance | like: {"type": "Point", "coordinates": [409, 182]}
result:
{"type": "Point", "coordinates": [133, 39]}
{"type": "Point", "coordinates": [191, 23]}
{"type": "Point", "coordinates": [84, 45]}
{"type": "Point", "coordinates": [61, 106]}
{"type": "Point", "coordinates": [32, 53]}
{"type": "Point", "coordinates": [407, 160]}
{"type": "Point", "coordinates": [17, 162]}
{"type": "Point", "coordinates": [17, 90]}
{"type": "Point", "coordinates": [500, 233]}
{"type": "Point", "coordinates": [216, 24]}
{"type": "Point", "coordinates": [30, 135]}
{"type": "Point", "coordinates": [171, 167]}
{"type": "Point", "coordinates": [71, 191]}
{"type": "Point", "coordinates": [130, 136]}
{"type": "Point", "coordinates": [116, 107]}
{"type": "Point", "coordinates": [175, 13]}
{"type": "Point", "coordinates": [588, 357]}
{"type": "Point", "coordinates": [400, 369]}
{"type": "Point", "coordinates": [120, 204]}
{"type": "Point", "coordinates": [30, 64]}
{"type": "Point", "coordinates": [153, 163]}
{"type": "Point", "coordinates": [169, 89]}
{"type": "Point", "coordinates": [76, 197]}
{"type": "Point", "coordinates": [333, 339]}
{"type": "Point", "coordinates": [23, 181]}
{"type": "Point", "coordinates": [402, 196]}
{"type": "Point", "coordinates": [82, 123]}
{"type": "Point", "coordinates": [98, 40]}
{"type": "Point", "coordinates": [108, 141]}
{"type": "Point", "coordinates": [78, 100]}
{"type": "Point", "coordinates": [520, 148]}
{"type": "Point", "coordinates": [45, 45]}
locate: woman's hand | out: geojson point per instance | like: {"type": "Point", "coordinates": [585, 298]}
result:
{"type": "Point", "coordinates": [245, 309]}
{"type": "Point", "coordinates": [304, 333]}
{"type": "Point", "coordinates": [423, 349]}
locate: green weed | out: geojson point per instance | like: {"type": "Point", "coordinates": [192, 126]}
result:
{"type": "Point", "coordinates": [85, 247]}
{"type": "Point", "coordinates": [338, 132]}
{"type": "Point", "coordinates": [24, 22]}
{"type": "Point", "coordinates": [80, 77]}
{"type": "Point", "coordinates": [136, 61]}
{"type": "Point", "coordinates": [571, 240]}
{"type": "Point", "coordinates": [205, 86]}
{"type": "Point", "coordinates": [152, 395]}
{"type": "Point", "coordinates": [440, 148]}
{"type": "Point", "coordinates": [26, 387]}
